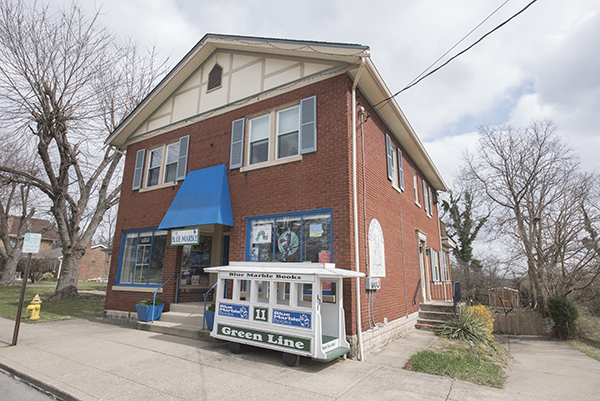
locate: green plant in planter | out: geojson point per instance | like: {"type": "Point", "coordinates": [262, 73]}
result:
{"type": "Point", "coordinates": [149, 302]}
{"type": "Point", "coordinates": [211, 308]}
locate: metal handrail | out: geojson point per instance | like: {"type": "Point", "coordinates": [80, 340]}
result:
{"type": "Point", "coordinates": [163, 284]}
{"type": "Point", "coordinates": [417, 292]}
{"type": "Point", "coordinates": [205, 299]}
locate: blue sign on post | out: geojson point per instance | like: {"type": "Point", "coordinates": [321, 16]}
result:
{"type": "Point", "coordinates": [31, 243]}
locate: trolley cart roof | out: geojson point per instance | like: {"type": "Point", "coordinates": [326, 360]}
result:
{"type": "Point", "coordinates": [274, 269]}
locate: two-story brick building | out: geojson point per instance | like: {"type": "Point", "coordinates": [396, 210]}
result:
{"type": "Point", "coordinates": [274, 151]}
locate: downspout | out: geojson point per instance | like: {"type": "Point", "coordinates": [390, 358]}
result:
{"type": "Point", "coordinates": [355, 212]}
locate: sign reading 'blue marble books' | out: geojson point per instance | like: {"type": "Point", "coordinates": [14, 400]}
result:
{"type": "Point", "coordinates": [298, 319]}
{"type": "Point", "coordinates": [239, 311]}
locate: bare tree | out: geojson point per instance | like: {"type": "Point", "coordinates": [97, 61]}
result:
{"type": "Point", "coordinates": [65, 83]}
{"type": "Point", "coordinates": [11, 252]}
{"type": "Point", "coordinates": [464, 218]}
{"type": "Point", "coordinates": [535, 180]}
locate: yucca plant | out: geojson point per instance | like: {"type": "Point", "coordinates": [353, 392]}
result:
{"type": "Point", "coordinates": [467, 325]}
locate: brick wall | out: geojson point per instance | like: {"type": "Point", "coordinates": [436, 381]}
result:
{"type": "Point", "coordinates": [321, 180]}
{"type": "Point", "coordinates": [94, 264]}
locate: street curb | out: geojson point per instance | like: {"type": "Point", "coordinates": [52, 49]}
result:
{"type": "Point", "coordinates": [37, 384]}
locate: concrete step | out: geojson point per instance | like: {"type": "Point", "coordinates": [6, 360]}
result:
{"type": "Point", "coordinates": [188, 307]}
{"type": "Point", "coordinates": [446, 307]}
{"type": "Point", "coordinates": [185, 318]}
{"type": "Point", "coordinates": [175, 329]}
{"type": "Point", "coordinates": [439, 316]}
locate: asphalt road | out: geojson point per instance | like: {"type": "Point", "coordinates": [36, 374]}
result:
{"type": "Point", "coordinates": [15, 390]}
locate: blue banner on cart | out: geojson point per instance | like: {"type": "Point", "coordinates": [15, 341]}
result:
{"type": "Point", "coordinates": [298, 319]}
{"type": "Point", "coordinates": [239, 311]}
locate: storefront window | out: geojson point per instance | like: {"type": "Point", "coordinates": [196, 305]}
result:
{"type": "Point", "coordinates": [195, 259]}
{"type": "Point", "coordinates": [293, 237]}
{"type": "Point", "coordinates": [143, 256]}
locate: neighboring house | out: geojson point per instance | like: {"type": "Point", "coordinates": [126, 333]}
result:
{"type": "Point", "coordinates": [49, 237]}
{"type": "Point", "coordinates": [47, 244]}
{"type": "Point", "coordinates": [94, 263]}
{"type": "Point", "coordinates": [279, 150]}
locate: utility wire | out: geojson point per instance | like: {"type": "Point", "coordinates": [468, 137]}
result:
{"type": "Point", "coordinates": [454, 57]}
{"type": "Point", "coordinates": [460, 41]}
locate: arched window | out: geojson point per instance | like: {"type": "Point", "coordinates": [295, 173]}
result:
{"type": "Point", "coordinates": [214, 77]}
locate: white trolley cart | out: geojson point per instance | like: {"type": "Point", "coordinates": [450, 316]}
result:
{"type": "Point", "coordinates": [296, 308]}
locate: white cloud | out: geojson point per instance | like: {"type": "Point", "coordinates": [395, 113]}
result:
{"type": "Point", "coordinates": [447, 153]}
{"type": "Point", "coordinates": [543, 64]}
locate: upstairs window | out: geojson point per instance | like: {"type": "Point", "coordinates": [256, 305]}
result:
{"type": "Point", "coordinates": [288, 126]}
{"type": "Point", "coordinates": [395, 168]}
{"type": "Point", "coordinates": [416, 188]}
{"type": "Point", "coordinates": [165, 164]}
{"type": "Point", "coordinates": [276, 137]}
{"type": "Point", "coordinates": [259, 139]}
{"type": "Point", "coordinates": [214, 77]}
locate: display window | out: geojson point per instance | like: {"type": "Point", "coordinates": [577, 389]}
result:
{"type": "Point", "coordinates": [142, 257]}
{"type": "Point", "coordinates": [293, 237]}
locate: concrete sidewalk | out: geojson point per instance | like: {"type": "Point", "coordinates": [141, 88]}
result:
{"type": "Point", "coordinates": [100, 360]}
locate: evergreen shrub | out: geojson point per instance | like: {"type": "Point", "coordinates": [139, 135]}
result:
{"type": "Point", "coordinates": [564, 314]}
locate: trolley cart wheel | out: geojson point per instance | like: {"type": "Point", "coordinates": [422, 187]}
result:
{"type": "Point", "coordinates": [235, 348]}
{"type": "Point", "coordinates": [291, 359]}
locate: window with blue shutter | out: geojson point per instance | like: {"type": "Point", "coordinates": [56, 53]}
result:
{"type": "Point", "coordinates": [236, 159]}
{"type": "Point", "coordinates": [139, 169]}
{"type": "Point", "coordinates": [389, 152]}
{"type": "Point", "coordinates": [308, 125]}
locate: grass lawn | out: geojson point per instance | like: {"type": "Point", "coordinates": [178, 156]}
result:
{"type": "Point", "coordinates": [589, 327]}
{"type": "Point", "coordinates": [455, 358]}
{"type": "Point", "coordinates": [90, 306]}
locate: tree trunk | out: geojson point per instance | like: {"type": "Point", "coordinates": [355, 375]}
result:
{"type": "Point", "coordinates": [69, 275]}
{"type": "Point", "coordinates": [10, 268]}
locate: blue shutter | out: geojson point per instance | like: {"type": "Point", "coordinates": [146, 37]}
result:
{"type": "Point", "coordinates": [425, 202]}
{"type": "Point", "coordinates": [400, 170]}
{"type": "Point", "coordinates": [431, 264]}
{"type": "Point", "coordinates": [430, 201]}
{"type": "Point", "coordinates": [389, 152]}
{"type": "Point", "coordinates": [184, 144]}
{"type": "Point", "coordinates": [139, 169]}
{"type": "Point", "coordinates": [308, 125]}
{"type": "Point", "coordinates": [237, 144]}
{"type": "Point", "coordinates": [441, 265]}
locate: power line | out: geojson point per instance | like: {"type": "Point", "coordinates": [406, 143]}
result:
{"type": "Point", "coordinates": [460, 41]}
{"type": "Point", "coordinates": [416, 81]}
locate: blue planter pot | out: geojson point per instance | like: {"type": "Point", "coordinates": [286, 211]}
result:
{"type": "Point", "coordinates": [149, 313]}
{"type": "Point", "coordinates": [209, 316]}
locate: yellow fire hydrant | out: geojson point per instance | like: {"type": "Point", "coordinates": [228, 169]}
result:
{"type": "Point", "coordinates": [34, 307]}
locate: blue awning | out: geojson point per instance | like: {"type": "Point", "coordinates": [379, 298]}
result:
{"type": "Point", "coordinates": [202, 199]}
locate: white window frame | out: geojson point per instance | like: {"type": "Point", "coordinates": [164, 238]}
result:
{"type": "Point", "coordinates": [268, 139]}
{"type": "Point", "coordinates": [182, 146]}
{"type": "Point", "coordinates": [280, 134]}
{"type": "Point", "coordinates": [166, 161]}
{"type": "Point", "coordinates": [416, 188]}
{"type": "Point", "coordinates": [273, 141]}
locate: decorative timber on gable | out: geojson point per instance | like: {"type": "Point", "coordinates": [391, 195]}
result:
{"type": "Point", "coordinates": [244, 76]}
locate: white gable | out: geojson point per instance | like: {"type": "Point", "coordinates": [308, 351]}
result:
{"type": "Point", "coordinates": [244, 75]}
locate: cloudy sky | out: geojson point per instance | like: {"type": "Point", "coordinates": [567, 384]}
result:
{"type": "Point", "coordinates": [544, 64]}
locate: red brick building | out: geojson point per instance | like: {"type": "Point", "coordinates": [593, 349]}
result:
{"type": "Point", "coordinates": [94, 263]}
{"type": "Point", "coordinates": [279, 150]}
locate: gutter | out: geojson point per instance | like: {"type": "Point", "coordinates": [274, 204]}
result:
{"type": "Point", "coordinates": [355, 212]}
